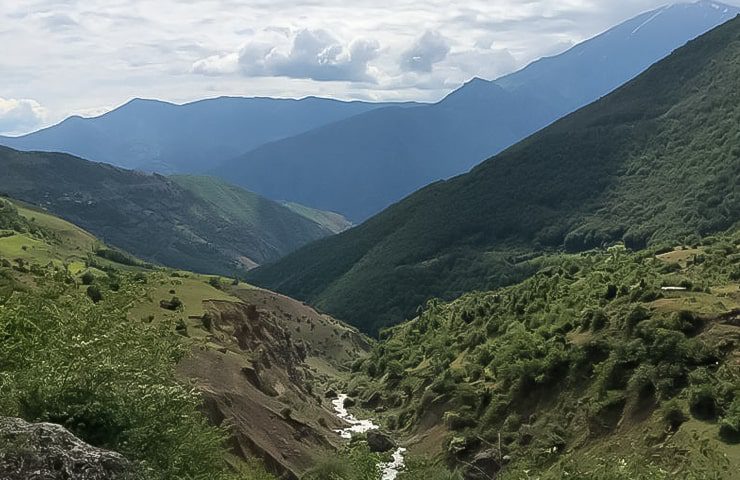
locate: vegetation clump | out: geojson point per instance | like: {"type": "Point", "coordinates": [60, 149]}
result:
{"type": "Point", "coordinates": [554, 359]}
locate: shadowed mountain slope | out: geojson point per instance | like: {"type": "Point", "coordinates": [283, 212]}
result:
{"type": "Point", "coordinates": [656, 160]}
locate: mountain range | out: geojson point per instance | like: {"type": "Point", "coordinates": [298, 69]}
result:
{"type": "Point", "coordinates": [568, 308]}
{"type": "Point", "coordinates": [197, 223]}
{"type": "Point", "coordinates": [361, 165]}
{"type": "Point", "coordinates": [657, 160]}
{"type": "Point", "coordinates": [156, 136]}
{"type": "Point", "coordinates": [357, 158]}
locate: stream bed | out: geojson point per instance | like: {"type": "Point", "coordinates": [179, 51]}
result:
{"type": "Point", "coordinates": [390, 469]}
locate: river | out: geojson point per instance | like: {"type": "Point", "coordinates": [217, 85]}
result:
{"type": "Point", "coordinates": [390, 469]}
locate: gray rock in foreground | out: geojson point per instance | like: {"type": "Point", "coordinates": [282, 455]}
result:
{"type": "Point", "coordinates": [45, 451]}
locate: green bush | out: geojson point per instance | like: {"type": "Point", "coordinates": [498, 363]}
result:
{"type": "Point", "coordinates": [108, 379]}
{"type": "Point", "coordinates": [729, 427]}
{"type": "Point", "coordinates": [673, 415]}
{"type": "Point", "coordinates": [703, 402]}
{"type": "Point", "coordinates": [94, 293]}
{"type": "Point", "coordinates": [87, 278]}
{"type": "Point", "coordinates": [355, 463]}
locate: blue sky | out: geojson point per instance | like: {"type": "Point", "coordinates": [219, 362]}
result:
{"type": "Point", "coordinates": [88, 56]}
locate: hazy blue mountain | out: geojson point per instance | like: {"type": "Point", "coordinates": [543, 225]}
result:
{"type": "Point", "coordinates": [654, 163]}
{"type": "Point", "coordinates": [191, 222]}
{"type": "Point", "coordinates": [163, 137]}
{"type": "Point", "coordinates": [361, 165]}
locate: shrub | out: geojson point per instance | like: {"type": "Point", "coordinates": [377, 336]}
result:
{"type": "Point", "coordinates": [729, 428]}
{"type": "Point", "coordinates": [172, 304]}
{"type": "Point", "coordinates": [112, 383]}
{"type": "Point", "coordinates": [87, 278]}
{"type": "Point", "coordinates": [636, 315]}
{"type": "Point", "coordinates": [598, 320]}
{"type": "Point", "coordinates": [207, 320]}
{"type": "Point", "coordinates": [355, 463]}
{"type": "Point", "coordinates": [93, 292]}
{"type": "Point", "coordinates": [458, 421]}
{"type": "Point", "coordinates": [702, 402]}
{"type": "Point", "coordinates": [673, 415]}
{"type": "Point", "coordinates": [140, 277]}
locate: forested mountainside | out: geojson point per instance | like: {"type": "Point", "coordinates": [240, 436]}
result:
{"type": "Point", "coordinates": [603, 365]}
{"type": "Point", "coordinates": [363, 164]}
{"type": "Point", "coordinates": [196, 223]}
{"type": "Point", "coordinates": [656, 161]}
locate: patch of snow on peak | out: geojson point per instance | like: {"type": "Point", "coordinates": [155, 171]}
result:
{"type": "Point", "coordinates": [653, 17]}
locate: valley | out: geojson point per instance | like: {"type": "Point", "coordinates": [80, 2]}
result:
{"type": "Point", "coordinates": [209, 286]}
{"type": "Point", "coordinates": [655, 161]}
{"type": "Point", "coordinates": [256, 359]}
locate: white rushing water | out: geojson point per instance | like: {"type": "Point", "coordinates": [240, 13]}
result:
{"type": "Point", "coordinates": [390, 469]}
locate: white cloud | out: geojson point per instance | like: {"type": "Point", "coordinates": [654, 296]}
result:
{"type": "Point", "coordinates": [20, 115]}
{"type": "Point", "coordinates": [216, 65]}
{"type": "Point", "coordinates": [427, 51]}
{"type": "Point", "coordinates": [305, 54]}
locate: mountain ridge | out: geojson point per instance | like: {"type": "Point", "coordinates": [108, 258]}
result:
{"type": "Point", "coordinates": [362, 164]}
{"type": "Point", "coordinates": [155, 135]}
{"type": "Point", "coordinates": [195, 222]}
{"type": "Point", "coordinates": [668, 158]}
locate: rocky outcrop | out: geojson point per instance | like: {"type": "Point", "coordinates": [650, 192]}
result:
{"type": "Point", "coordinates": [256, 382]}
{"type": "Point", "coordinates": [45, 451]}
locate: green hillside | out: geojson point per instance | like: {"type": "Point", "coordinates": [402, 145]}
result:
{"type": "Point", "coordinates": [333, 221]}
{"type": "Point", "coordinates": [603, 365]}
{"type": "Point", "coordinates": [656, 161]}
{"type": "Point", "coordinates": [71, 356]}
{"type": "Point", "coordinates": [280, 228]}
{"type": "Point", "coordinates": [152, 363]}
{"type": "Point", "coordinates": [195, 223]}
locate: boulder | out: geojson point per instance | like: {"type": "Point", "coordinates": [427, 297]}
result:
{"type": "Point", "coordinates": [49, 452]}
{"type": "Point", "coordinates": [379, 442]}
{"type": "Point", "coordinates": [331, 393]}
{"type": "Point", "coordinates": [349, 402]}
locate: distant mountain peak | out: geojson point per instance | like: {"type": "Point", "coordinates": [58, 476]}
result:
{"type": "Point", "coordinates": [145, 101]}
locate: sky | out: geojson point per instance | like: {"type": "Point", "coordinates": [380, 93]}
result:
{"type": "Point", "coordinates": [85, 57]}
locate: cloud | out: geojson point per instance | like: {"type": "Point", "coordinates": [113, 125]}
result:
{"type": "Point", "coordinates": [484, 60]}
{"type": "Point", "coordinates": [18, 115]}
{"type": "Point", "coordinates": [72, 55]}
{"type": "Point", "coordinates": [313, 54]}
{"type": "Point", "coordinates": [217, 65]}
{"type": "Point", "coordinates": [428, 50]}
{"type": "Point", "coordinates": [59, 22]}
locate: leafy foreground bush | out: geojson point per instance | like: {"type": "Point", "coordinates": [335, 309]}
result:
{"type": "Point", "coordinates": [110, 380]}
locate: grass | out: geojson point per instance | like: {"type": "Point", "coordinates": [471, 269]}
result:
{"type": "Point", "coordinates": [191, 289]}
